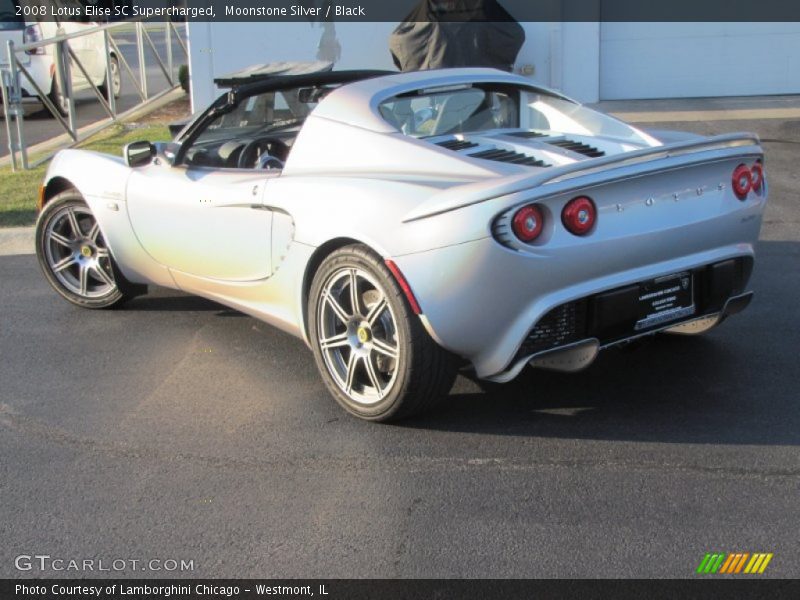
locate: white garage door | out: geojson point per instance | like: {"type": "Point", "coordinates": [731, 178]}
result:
{"type": "Point", "coordinates": [685, 60]}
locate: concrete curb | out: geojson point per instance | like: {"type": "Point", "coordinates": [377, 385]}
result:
{"type": "Point", "coordinates": [17, 240]}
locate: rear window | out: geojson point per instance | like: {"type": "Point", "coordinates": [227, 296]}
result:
{"type": "Point", "coordinates": [475, 108]}
{"type": "Point", "coordinates": [8, 16]}
{"type": "Point", "coordinates": [454, 109]}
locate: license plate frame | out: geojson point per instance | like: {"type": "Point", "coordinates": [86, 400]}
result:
{"type": "Point", "coordinates": [664, 300]}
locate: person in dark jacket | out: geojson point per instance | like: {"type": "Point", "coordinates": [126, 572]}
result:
{"type": "Point", "coordinates": [456, 33]}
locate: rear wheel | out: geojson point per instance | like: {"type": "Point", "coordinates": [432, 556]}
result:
{"type": "Point", "coordinates": [372, 352]}
{"type": "Point", "coordinates": [73, 254]}
{"type": "Point", "coordinates": [116, 80]}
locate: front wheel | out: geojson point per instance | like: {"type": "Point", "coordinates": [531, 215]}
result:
{"type": "Point", "coordinates": [372, 352]}
{"type": "Point", "coordinates": [59, 100]}
{"type": "Point", "coordinates": [73, 254]}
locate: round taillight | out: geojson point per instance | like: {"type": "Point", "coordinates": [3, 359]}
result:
{"type": "Point", "coordinates": [757, 176]}
{"type": "Point", "coordinates": [579, 215]}
{"type": "Point", "coordinates": [742, 181]}
{"type": "Point", "coordinates": [528, 223]}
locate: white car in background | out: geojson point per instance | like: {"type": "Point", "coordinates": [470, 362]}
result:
{"type": "Point", "coordinates": [41, 62]}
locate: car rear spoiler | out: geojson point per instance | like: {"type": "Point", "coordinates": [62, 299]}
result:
{"type": "Point", "coordinates": [628, 162]}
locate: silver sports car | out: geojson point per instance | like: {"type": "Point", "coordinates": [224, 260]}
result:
{"type": "Point", "coordinates": [410, 225]}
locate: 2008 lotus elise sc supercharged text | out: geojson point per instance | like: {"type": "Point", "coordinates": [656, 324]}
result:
{"type": "Point", "coordinates": [408, 225]}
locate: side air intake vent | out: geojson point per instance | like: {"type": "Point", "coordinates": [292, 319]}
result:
{"type": "Point", "coordinates": [510, 156]}
{"type": "Point", "coordinates": [578, 147]}
{"type": "Point", "coordinates": [457, 145]}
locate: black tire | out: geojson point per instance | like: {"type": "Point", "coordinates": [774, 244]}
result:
{"type": "Point", "coordinates": [58, 99]}
{"type": "Point", "coordinates": [117, 75]}
{"type": "Point", "coordinates": [420, 376]}
{"type": "Point", "coordinates": [84, 255]}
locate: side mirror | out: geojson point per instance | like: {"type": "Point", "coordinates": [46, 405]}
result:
{"type": "Point", "coordinates": [139, 154]}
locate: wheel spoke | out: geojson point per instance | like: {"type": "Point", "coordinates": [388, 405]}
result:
{"type": "Point", "coordinates": [376, 311]}
{"type": "Point", "coordinates": [84, 280]}
{"type": "Point", "coordinates": [94, 232]}
{"type": "Point", "coordinates": [73, 223]}
{"type": "Point", "coordinates": [102, 253]}
{"type": "Point", "coordinates": [60, 239]}
{"type": "Point", "coordinates": [373, 375]}
{"type": "Point", "coordinates": [354, 293]}
{"type": "Point", "coordinates": [335, 341]}
{"type": "Point", "coordinates": [64, 264]}
{"type": "Point", "coordinates": [352, 363]}
{"type": "Point", "coordinates": [384, 348]}
{"type": "Point", "coordinates": [337, 308]}
{"type": "Point", "coordinates": [101, 275]}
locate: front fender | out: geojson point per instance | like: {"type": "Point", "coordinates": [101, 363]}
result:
{"type": "Point", "coordinates": [102, 181]}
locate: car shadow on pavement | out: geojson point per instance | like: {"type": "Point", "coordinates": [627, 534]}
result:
{"type": "Point", "coordinates": [161, 300]}
{"type": "Point", "coordinates": [671, 390]}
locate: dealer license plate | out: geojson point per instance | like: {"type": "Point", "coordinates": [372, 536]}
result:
{"type": "Point", "coordinates": [665, 299]}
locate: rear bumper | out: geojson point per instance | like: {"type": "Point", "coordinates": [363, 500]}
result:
{"type": "Point", "coordinates": [569, 337]}
{"type": "Point", "coordinates": [40, 70]}
{"type": "Point", "coordinates": [484, 303]}
{"type": "Point", "coordinates": [576, 356]}
{"type": "Point", "coordinates": [613, 316]}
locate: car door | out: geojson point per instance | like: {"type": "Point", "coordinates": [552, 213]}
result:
{"type": "Point", "coordinates": [209, 223]}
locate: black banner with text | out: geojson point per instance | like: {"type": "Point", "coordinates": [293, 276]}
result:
{"type": "Point", "coordinates": [399, 10]}
{"type": "Point", "coordinates": [343, 589]}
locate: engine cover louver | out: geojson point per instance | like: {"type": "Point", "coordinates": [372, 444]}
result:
{"type": "Point", "coordinates": [509, 156]}
{"type": "Point", "coordinates": [457, 145]}
{"type": "Point", "coordinates": [578, 147]}
{"type": "Point", "coordinates": [527, 134]}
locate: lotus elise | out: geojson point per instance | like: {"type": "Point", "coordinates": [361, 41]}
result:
{"type": "Point", "coordinates": [406, 226]}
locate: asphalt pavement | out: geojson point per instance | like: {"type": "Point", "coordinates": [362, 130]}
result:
{"type": "Point", "coordinates": [175, 428]}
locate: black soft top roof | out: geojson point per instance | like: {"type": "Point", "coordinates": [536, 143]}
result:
{"type": "Point", "coordinates": [255, 73]}
{"type": "Point", "coordinates": [283, 75]}
{"type": "Point", "coordinates": [283, 82]}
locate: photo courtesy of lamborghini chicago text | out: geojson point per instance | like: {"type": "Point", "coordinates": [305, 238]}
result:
{"type": "Point", "coordinates": [413, 299]}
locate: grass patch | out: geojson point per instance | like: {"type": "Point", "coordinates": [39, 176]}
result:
{"type": "Point", "coordinates": [18, 191]}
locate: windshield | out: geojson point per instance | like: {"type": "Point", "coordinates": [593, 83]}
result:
{"type": "Point", "coordinates": [485, 107]}
{"type": "Point", "coordinates": [263, 111]}
{"type": "Point", "coordinates": [265, 124]}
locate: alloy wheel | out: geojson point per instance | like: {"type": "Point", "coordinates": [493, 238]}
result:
{"type": "Point", "coordinates": [358, 335]}
{"type": "Point", "coordinates": [76, 253]}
